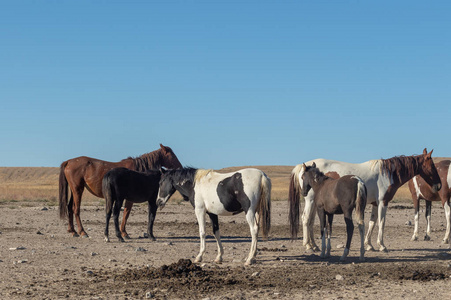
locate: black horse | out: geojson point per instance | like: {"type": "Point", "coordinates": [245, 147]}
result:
{"type": "Point", "coordinates": [121, 184]}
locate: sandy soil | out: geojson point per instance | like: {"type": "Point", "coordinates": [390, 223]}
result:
{"type": "Point", "coordinates": [39, 259]}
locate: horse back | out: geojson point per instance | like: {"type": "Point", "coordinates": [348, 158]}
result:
{"type": "Point", "coordinates": [131, 185]}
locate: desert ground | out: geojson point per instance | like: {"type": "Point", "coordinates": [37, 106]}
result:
{"type": "Point", "coordinates": [39, 259]}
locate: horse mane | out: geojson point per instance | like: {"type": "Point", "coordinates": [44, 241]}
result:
{"type": "Point", "coordinates": [201, 173]}
{"type": "Point", "coordinates": [147, 161]}
{"type": "Point", "coordinates": [401, 166]}
{"type": "Point", "coordinates": [179, 175]}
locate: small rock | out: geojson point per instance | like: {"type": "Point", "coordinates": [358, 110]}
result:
{"type": "Point", "coordinates": [340, 246]}
{"type": "Point", "coordinates": [408, 223]}
{"type": "Point", "coordinates": [22, 261]}
{"type": "Point", "coordinates": [169, 244]}
{"type": "Point", "coordinates": [255, 274]}
{"type": "Point", "coordinates": [89, 229]}
{"type": "Point", "coordinates": [339, 277]}
{"type": "Point", "coordinates": [94, 253]}
{"type": "Point", "coordinates": [149, 295]}
{"type": "Point", "coordinates": [140, 249]}
{"type": "Point", "coordinates": [112, 260]}
{"type": "Point", "coordinates": [39, 232]}
{"type": "Point", "coordinates": [89, 273]}
{"type": "Point", "coordinates": [44, 208]}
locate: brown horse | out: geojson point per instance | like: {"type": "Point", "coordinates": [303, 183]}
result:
{"type": "Point", "coordinates": [420, 189]}
{"type": "Point", "coordinates": [336, 196]}
{"type": "Point", "coordinates": [86, 172]}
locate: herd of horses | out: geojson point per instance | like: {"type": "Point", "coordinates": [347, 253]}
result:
{"type": "Point", "coordinates": [328, 187]}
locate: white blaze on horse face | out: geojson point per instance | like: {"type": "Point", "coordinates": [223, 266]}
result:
{"type": "Point", "coordinates": [417, 187]}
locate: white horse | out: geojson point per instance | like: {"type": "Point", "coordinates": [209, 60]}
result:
{"type": "Point", "coordinates": [382, 178]}
{"type": "Point", "coordinates": [247, 190]}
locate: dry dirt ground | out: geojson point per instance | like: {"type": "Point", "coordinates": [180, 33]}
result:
{"type": "Point", "coordinates": [39, 259]}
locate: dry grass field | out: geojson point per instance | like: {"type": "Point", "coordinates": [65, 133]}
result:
{"type": "Point", "coordinates": [19, 184]}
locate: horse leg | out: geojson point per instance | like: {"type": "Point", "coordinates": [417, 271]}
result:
{"type": "Point", "coordinates": [382, 211]}
{"type": "Point", "coordinates": [308, 219]}
{"type": "Point", "coordinates": [152, 207]}
{"type": "Point", "coordinates": [416, 206]}
{"type": "Point", "coordinates": [107, 219]}
{"type": "Point", "coordinates": [127, 210]}
{"type": "Point", "coordinates": [215, 224]}
{"type": "Point", "coordinates": [362, 244]}
{"type": "Point", "coordinates": [322, 224]}
{"type": "Point", "coordinates": [330, 218]}
{"type": "Point", "coordinates": [311, 229]}
{"type": "Point", "coordinates": [447, 208]}
{"type": "Point", "coordinates": [76, 207]}
{"type": "Point", "coordinates": [116, 212]}
{"type": "Point", "coordinates": [427, 214]}
{"type": "Point", "coordinates": [200, 214]}
{"type": "Point", "coordinates": [369, 246]}
{"type": "Point", "coordinates": [70, 216]}
{"type": "Point", "coordinates": [253, 226]}
{"type": "Point", "coordinates": [349, 233]}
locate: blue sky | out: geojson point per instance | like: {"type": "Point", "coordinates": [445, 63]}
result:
{"type": "Point", "coordinates": [224, 83]}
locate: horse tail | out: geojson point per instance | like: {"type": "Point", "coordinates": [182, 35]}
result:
{"type": "Point", "coordinates": [360, 203]}
{"type": "Point", "coordinates": [63, 191]}
{"type": "Point", "coordinates": [264, 205]}
{"type": "Point", "coordinates": [294, 195]}
{"type": "Point", "coordinates": [108, 193]}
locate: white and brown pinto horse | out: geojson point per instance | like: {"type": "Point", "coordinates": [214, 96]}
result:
{"type": "Point", "coordinates": [336, 196]}
{"type": "Point", "coordinates": [420, 189]}
{"type": "Point", "coordinates": [382, 179]}
{"type": "Point", "coordinates": [213, 193]}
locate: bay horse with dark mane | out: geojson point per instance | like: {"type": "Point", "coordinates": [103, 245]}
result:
{"type": "Point", "coordinates": [86, 172]}
{"type": "Point", "coordinates": [137, 187]}
{"type": "Point", "coordinates": [420, 189]}
{"type": "Point", "coordinates": [336, 196]}
{"type": "Point", "coordinates": [382, 178]}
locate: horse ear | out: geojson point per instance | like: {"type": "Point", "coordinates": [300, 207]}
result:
{"type": "Point", "coordinates": [430, 153]}
{"type": "Point", "coordinates": [314, 165]}
{"type": "Point", "coordinates": [425, 151]}
{"type": "Point", "coordinates": [162, 147]}
{"type": "Point", "coordinates": [305, 167]}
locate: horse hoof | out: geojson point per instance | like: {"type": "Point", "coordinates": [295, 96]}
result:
{"type": "Point", "coordinates": [198, 260]}
{"type": "Point", "coordinates": [218, 261]}
{"type": "Point", "coordinates": [107, 240]}
{"type": "Point", "coordinates": [249, 262]}
{"type": "Point", "coordinates": [369, 248]}
{"type": "Point", "coordinates": [121, 240]}
{"type": "Point", "coordinates": [74, 234]}
{"type": "Point", "coordinates": [446, 241]}
{"type": "Point", "coordinates": [152, 238]}
{"type": "Point", "coordinates": [383, 249]}
{"type": "Point", "coordinates": [85, 236]}
{"type": "Point", "coordinates": [127, 237]}
{"type": "Point", "coordinates": [414, 238]}
{"type": "Point", "coordinates": [427, 238]}
{"type": "Point", "coordinates": [315, 248]}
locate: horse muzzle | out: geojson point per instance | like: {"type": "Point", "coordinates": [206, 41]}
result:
{"type": "Point", "coordinates": [436, 187]}
{"type": "Point", "coordinates": [161, 203]}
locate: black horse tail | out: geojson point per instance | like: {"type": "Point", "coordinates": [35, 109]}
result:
{"type": "Point", "coordinates": [360, 203]}
{"type": "Point", "coordinates": [108, 193]}
{"type": "Point", "coordinates": [264, 206]}
{"type": "Point", "coordinates": [294, 195]}
{"type": "Point", "coordinates": [63, 192]}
